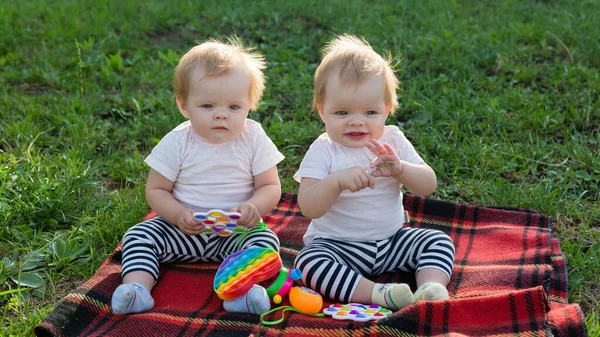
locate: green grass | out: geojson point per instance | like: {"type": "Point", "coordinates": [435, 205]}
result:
{"type": "Point", "coordinates": [501, 98]}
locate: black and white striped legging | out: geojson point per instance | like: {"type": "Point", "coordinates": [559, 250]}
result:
{"type": "Point", "coordinates": [155, 241]}
{"type": "Point", "coordinates": [334, 267]}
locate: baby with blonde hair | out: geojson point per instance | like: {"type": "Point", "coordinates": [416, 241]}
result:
{"type": "Point", "coordinates": [350, 186]}
{"type": "Point", "coordinates": [216, 159]}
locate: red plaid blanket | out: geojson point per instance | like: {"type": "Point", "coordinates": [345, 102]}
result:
{"type": "Point", "coordinates": [509, 279]}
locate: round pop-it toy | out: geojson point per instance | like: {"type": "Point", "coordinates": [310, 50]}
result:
{"type": "Point", "coordinates": [357, 312]}
{"type": "Point", "coordinates": [220, 222]}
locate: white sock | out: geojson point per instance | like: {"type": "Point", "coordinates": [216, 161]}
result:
{"type": "Point", "coordinates": [392, 295]}
{"type": "Point", "coordinates": [255, 301]}
{"type": "Point", "coordinates": [431, 291]}
{"type": "Point", "coordinates": [131, 298]}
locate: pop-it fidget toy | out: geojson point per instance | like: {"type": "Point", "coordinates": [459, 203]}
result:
{"type": "Point", "coordinates": [242, 269]}
{"type": "Point", "coordinates": [220, 222]}
{"type": "Point", "coordinates": [357, 312]}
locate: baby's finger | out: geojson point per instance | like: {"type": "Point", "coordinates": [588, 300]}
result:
{"type": "Point", "coordinates": [353, 186]}
{"type": "Point", "coordinates": [373, 147]}
{"type": "Point", "coordinates": [253, 221]}
{"type": "Point", "coordinates": [380, 147]}
{"type": "Point", "coordinates": [364, 180]}
{"type": "Point", "coordinates": [189, 220]}
{"type": "Point", "coordinates": [388, 149]}
{"type": "Point", "coordinates": [376, 162]}
{"type": "Point", "coordinates": [371, 181]}
{"type": "Point", "coordinates": [191, 230]}
{"type": "Point", "coordinates": [243, 220]}
{"type": "Point", "coordinates": [379, 169]}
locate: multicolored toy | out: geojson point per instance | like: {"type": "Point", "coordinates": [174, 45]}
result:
{"type": "Point", "coordinates": [357, 312]}
{"type": "Point", "coordinates": [282, 284]}
{"type": "Point", "coordinates": [220, 222]}
{"type": "Point", "coordinates": [242, 269]}
{"type": "Point", "coordinates": [306, 300]}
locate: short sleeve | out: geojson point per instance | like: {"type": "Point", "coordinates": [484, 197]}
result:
{"type": "Point", "coordinates": [266, 154]}
{"type": "Point", "coordinates": [316, 162]}
{"type": "Point", "coordinates": [406, 150]}
{"type": "Point", "coordinates": [165, 156]}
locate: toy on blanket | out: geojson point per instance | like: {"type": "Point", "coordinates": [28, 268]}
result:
{"type": "Point", "coordinates": [242, 269]}
{"type": "Point", "coordinates": [220, 222]}
{"type": "Point", "coordinates": [282, 284]}
{"type": "Point", "coordinates": [357, 312]}
{"type": "Point", "coordinates": [306, 300]}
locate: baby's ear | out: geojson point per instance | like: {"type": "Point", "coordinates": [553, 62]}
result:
{"type": "Point", "coordinates": [319, 108]}
{"type": "Point", "coordinates": [182, 107]}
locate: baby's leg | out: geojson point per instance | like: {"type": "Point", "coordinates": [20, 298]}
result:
{"type": "Point", "coordinates": [430, 253]}
{"type": "Point", "coordinates": [431, 285]}
{"type": "Point", "coordinates": [133, 295]}
{"type": "Point", "coordinates": [139, 270]}
{"type": "Point", "coordinates": [335, 269]}
{"type": "Point", "coordinates": [144, 246]}
{"type": "Point", "coordinates": [390, 295]}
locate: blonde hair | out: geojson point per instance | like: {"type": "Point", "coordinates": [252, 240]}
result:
{"type": "Point", "coordinates": [353, 59]}
{"type": "Point", "coordinates": [215, 58]}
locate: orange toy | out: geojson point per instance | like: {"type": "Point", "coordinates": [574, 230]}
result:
{"type": "Point", "coordinates": [305, 300]}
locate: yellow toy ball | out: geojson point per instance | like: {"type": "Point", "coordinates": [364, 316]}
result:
{"type": "Point", "coordinates": [306, 300]}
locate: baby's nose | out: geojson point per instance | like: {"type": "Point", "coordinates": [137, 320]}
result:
{"type": "Point", "coordinates": [356, 121]}
{"type": "Point", "coordinates": [221, 115]}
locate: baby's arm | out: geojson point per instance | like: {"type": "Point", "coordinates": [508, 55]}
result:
{"type": "Point", "coordinates": [420, 179]}
{"type": "Point", "coordinates": [315, 196]}
{"type": "Point", "coordinates": [267, 191]}
{"type": "Point", "coordinates": [160, 199]}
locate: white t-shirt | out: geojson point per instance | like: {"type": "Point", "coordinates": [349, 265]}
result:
{"type": "Point", "coordinates": [209, 176]}
{"type": "Point", "coordinates": [366, 215]}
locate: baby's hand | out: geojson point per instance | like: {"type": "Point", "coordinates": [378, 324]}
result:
{"type": "Point", "coordinates": [187, 223]}
{"type": "Point", "coordinates": [387, 162]}
{"type": "Point", "coordinates": [354, 179]}
{"type": "Point", "coordinates": [250, 216]}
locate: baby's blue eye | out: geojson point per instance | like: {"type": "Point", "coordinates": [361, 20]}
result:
{"type": "Point", "coordinates": [206, 106]}
{"type": "Point", "coordinates": [371, 112]}
{"type": "Point", "coordinates": [341, 113]}
{"type": "Point", "coordinates": [234, 107]}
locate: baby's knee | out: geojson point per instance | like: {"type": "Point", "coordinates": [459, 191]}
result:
{"type": "Point", "coordinates": [442, 245]}
{"type": "Point", "coordinates": [440, 237]}
{"type": "Point", "coordinates": [312, 258]}
{"type": "Point", "coordinates": [263, 239]}
{"type": "Point", "coordinates": [446, 240]}
{"type": "Point", "coordinates": [139, 234]}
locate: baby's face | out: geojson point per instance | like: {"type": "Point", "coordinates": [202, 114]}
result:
{"type": "Point", "coordinates": [217, 105]}
{"type": "Point", "coordinates": [354, 114]}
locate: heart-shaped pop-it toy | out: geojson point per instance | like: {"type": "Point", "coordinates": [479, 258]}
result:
{"type": "Point", "coordinates": [242, 269]}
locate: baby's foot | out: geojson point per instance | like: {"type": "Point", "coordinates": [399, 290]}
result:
{"type": "Point", "coordinates": [392, 295]}
{"type": "Point", "coordinates": [131, 298]}
{"type": "Point", "coordinates": [255, 301]}
{"type": "Point", "coordinates": [431, 291]}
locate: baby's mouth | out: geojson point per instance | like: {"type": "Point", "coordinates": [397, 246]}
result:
{"type": "Point", "coordinates": [356, 135]}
